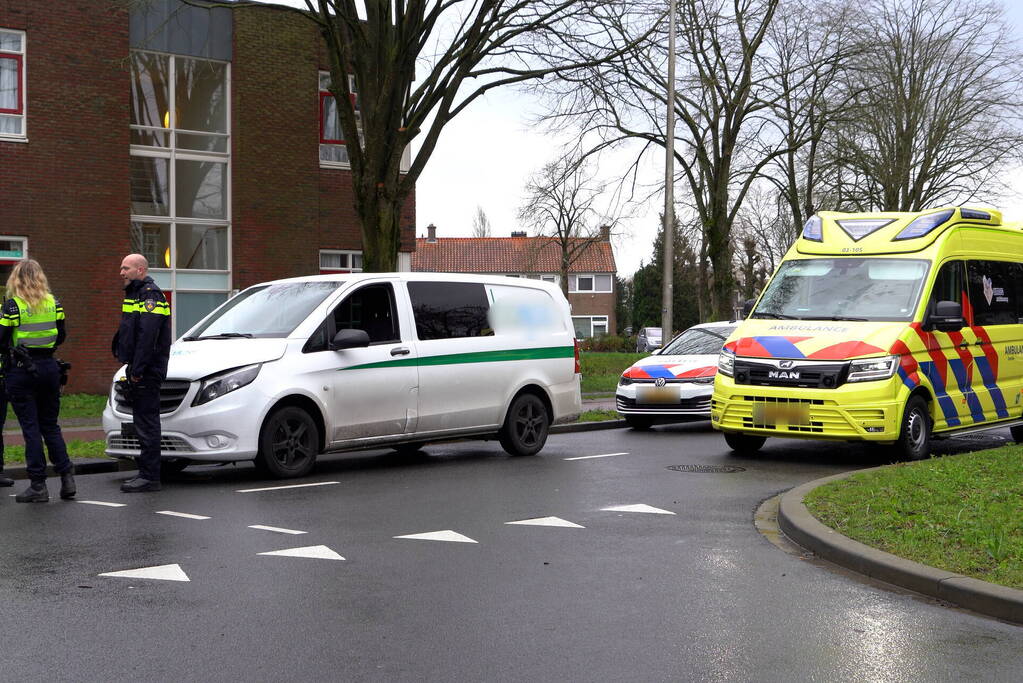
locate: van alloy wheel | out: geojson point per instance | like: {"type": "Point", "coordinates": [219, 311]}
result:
{"type": "Point", "coordinates": [288, 443]}
{"type": "Point", "coordinates": [526, 426]}
{"type": "Point", "coordinates": [915, 434]}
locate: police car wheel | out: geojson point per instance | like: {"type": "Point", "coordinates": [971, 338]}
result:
{"type": "Point", "coordinates": [640, 424]}
{"type": "Point", "coordinates": [288, 443]}
{"type": "Point", "coordinates": [526, 426]}
{"type": "Point", "coordinates": [915, 434]}
{"type": "Point", "coordinates": [744, 444]}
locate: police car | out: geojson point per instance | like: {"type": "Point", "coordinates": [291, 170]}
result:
{"type": "Point", "coordinates": [676, 382]}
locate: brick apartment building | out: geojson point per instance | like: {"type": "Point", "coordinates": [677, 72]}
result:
{"type": "Point", "coordinates": [202, 138]}
{"type": "Point", "coordinates": [591, 276]}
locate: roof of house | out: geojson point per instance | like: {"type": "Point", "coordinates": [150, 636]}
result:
{"type": "Point", "coordinates": [507, 255]}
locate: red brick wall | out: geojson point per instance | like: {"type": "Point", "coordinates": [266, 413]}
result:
{"type": "Point", "coordinates": [66, 189]}
{"type": "Point", "coordinates": [595, 304]}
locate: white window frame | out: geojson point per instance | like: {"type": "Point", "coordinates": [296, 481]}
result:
{"type": "Point", "coordinates": [593, 319]}
{"type": "Point", "coordinates": [24, 248]}
{"type": "Point", "coordinates": [573, 283]}
{"type": "Point", "coordinates": [406, 155]}
{"type": "Point", "coordinates": [348, 254]}
{"type": "Point", "coordinates": [22, 56]}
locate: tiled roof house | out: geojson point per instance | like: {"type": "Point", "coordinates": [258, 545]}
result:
{"type": "Point", "coordinates": [590, 280]}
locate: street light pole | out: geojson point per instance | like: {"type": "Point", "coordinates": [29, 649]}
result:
{"type": "Point", "coordinates": [669, 187]}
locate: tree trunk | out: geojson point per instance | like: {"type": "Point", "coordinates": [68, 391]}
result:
{"type": "Point", "coordinates": [380, 215]}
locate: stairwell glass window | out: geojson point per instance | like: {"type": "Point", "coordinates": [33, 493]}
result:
{"type": "Point", "coordinates": [12, 85]}
{"type": "Point", "coordinates": [180, 178]}
{"type": "Point", "coordinates": [333, 151]}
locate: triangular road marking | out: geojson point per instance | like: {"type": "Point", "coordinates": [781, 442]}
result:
{"type": "Point", "coordinates": [638, 508]}
{"type": "Point", "coordinates": [549, 521]}
{"type": "Point", "coordinates": [316, 552]}
{"type": "Point", "coordinates": [165, 572]}
{"type": "Point", "coordinates": [446, 535]}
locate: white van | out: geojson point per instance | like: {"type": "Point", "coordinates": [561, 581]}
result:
{"type": "Point", "coordinates": [292, 368]}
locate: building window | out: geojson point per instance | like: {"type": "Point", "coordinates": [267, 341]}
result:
{"type": "Point", "coordinates": [12, 85]}
{"type": "Point", "coordinates": [337, 261]}
{"type": "Point", "coordinates": [590, 283]}
{"type": "Point", "coordinates": [332, 143]}
{"type": "Point", "coordinates": [589, 325]}
{"type": "Point", "coordinates": [179, 179]}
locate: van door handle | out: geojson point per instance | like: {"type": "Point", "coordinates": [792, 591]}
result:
{"type": "Point", "coordinates": [979, 342]}
{"type": "Point", "coordinates": [400, 351]}
{"type": "Point", "coordinates": [964, 344]}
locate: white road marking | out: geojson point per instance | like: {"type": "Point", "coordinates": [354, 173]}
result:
{"type": "Point", "coordinates": [165, 572]}
{"type": "Point", "coordinates": [446, 535]}
{"type": "Point", "coordinates": [549, 521]}
{"type": "Point", "coordinates": [638, 508]}
{"type": "Point", "coordinates": [292, 486]}
{"type": "Point", "coordinates": [277, 529]}
{"type": "Point", "coordinates": [316, 552]}
{"type": "Point", "coordinates": [100, 502]}
{"type": "Point", "coordinates": [587, 457]}
{"type": "Point", "coordinates": [180, 514]}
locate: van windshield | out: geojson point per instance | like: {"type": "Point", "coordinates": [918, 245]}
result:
{"type": "Point", "coordinates": [264, 311]}
{"type": "Point", "coordinates": [844, 289]}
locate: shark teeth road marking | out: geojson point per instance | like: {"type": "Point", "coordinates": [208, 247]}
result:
{"type": "Point", "coordinates": [316, 552]}
{"type": "Point", "coordinates": [277, 529]}
{"type": "Point", "coordinates": [164, 572]}
{"type": "Point", "coordinates": [638, 508]}
{"type": "Point", "coordinates": [589, 457]}
{"type": "Point", "coordinates": [549, 521]}
{"type": "Point", "coordinates": [290, 486]}
{"type": "Point", "coordinates": [446, 535]}
{"type": "Point", "coordinates": [100, 502]}
{"type": "Point", "coordinates": [186, 515]}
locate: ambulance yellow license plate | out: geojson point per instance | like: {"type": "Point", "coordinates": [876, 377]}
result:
{"type": "Point", "coordinates": [787, 413]}
{"type": "Point", "coordinates": [657, 395]}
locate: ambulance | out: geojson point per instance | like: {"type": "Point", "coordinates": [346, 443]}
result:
{"type": "Point", "coordinates": [893, 328]}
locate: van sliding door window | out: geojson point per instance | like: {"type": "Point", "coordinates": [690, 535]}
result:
{"type": "Point", "coordinates": [448, 310]}
{"type": "Point", "coordinates": [994, 289]}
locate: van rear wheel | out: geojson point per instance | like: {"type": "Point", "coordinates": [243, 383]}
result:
{"type": "Point", "coordinates": [525, 428]}
{"type": "Point", "coordinates": [744, 444]}
{"type": "Point", "coordinates": [288, 443]}
{"type": "Point", "coordinates": [915, 434]}
{"type": "Point", "coordinates": [1017, 433]}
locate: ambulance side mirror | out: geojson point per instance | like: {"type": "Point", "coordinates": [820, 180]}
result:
{"type": "Point", "coordinates": [747, 307]}
{"type": "Point", "coordinates": [946, 317]}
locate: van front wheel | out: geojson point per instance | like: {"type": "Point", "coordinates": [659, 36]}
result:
{"type": "Point", "coordinates": [526, 426]}
{"type": "Point", "coordinates": [915, 434]}
{"type": "Point", "coordinates": [288, 443]}
{"type": "Point", "coordinates": [744, 444]}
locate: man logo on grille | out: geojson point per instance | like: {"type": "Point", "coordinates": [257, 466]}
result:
{"type": "Point", "coordinates": [659, 382]}
{"type": "Point", "coordinates": [786, 364]}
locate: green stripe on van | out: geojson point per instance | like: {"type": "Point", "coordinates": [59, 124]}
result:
{"type": "Point", "coordinates": [475, 357]}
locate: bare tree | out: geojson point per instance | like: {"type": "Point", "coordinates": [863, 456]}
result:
{"type": "Point", "coordinates": [480, 223]}
{"type": "Point", "coordinates": [418, 64]}
{"type": "Point", "coordinates": [561, 208]}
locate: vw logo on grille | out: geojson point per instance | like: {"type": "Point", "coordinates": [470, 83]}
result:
{"type": "Point", "coordinates": [659, 382]}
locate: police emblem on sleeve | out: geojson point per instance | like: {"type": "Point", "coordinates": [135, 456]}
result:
{"type": "Point", "coordinates": [150, 304]}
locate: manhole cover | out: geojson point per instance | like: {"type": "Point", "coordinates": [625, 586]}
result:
{"type": "Point", "coordinates": [707, 469]}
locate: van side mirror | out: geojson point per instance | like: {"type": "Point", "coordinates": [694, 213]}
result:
{"type": "Point", "coordinates": [946, 317]}
{"type": "Point", "coordinates": [747, 307]}
{"type": "Point", "coordinates": [349, 339]}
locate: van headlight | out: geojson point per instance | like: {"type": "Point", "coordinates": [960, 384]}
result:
{"type": "Point", "coordinates": [217, 385]}
{"type": "Point", "coordinates": [726, 362]}
{"type": "Point", "coordinates": [873, 368]}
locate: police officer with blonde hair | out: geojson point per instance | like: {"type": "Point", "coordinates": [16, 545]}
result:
{"type": "Point", "coordinates": [31, 327]}
{"type": "Point", "coordinates": [142, 343]}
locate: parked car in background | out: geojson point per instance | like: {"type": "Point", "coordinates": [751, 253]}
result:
{"type": "Point", "coordinates": [676, 382]}
{"type": "Point", "coordinates": [648, 339]}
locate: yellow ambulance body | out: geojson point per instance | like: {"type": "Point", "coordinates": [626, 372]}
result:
{"type": "Point", "coordinates": [883, 327]}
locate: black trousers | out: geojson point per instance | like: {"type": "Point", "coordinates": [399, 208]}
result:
{"type": "Point", "coordinates": [36, 402]}
{"type": "Point", "coordinates": [3, 418]}
{"type": "Point", "coordinates": [145, 403]}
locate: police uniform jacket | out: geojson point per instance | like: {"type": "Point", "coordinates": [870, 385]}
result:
{"type": "Point", "coordinates": [38, 338]}
{"type": "Point", "coordinates": [143, 339]}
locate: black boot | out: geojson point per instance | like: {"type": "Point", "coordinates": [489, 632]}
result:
{"type": "Point", "coordinates": [36, 493]}
{"type": "Point", "coordinates": [139, 485]}
{"type": "Point", "coordinates": [5, 480]}
{"type": "Point", "coordinates": [67, 486]}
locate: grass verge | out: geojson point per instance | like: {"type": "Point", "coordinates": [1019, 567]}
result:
{"type": "Point", "coordinates": [71, 405]}
{"type": "Point", "coordinates": [958, 513]}
{"type": "Point", "coordinates": [602, 370]}
{"type": "Point", "coordinates": [75, 449]}
{"type": "Point", "coordinates": [598, 416]}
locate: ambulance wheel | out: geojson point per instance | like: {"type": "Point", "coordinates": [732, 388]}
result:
{"type": "Point", "coordinates": [1017, 433]}
{"type": "Point", "coordinates": [915, 434]}
{"type": "Point", "coordinates": [288, 443]}
{"type": "Point", "coordinates": [526, 426]}
{"type": "Point", "coordinates": [640, 424]}
{"type": "Point", "coordinates": [744, 444]}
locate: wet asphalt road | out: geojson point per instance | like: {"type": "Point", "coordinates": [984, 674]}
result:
{"type": "Point", "coordinates": [697, 595]}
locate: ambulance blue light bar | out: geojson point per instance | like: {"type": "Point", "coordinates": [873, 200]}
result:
{"type": "Point", "coordinates": [924, 225]}
{"type": "Point", "coordinates": [814, 229]}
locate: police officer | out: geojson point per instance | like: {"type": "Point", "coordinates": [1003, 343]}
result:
{"type": "Point", "coordinates": [31, 327]}
{"type": "Point", "coordinates": [142, 343]}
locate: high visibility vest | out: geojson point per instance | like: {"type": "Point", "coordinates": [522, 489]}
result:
{"type": "Point", "coordinates": [35, 327]}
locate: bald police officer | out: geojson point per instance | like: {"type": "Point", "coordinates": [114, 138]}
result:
{"type": "Point", "coordinates": [142, 343]}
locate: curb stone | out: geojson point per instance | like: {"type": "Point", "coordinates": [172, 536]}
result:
{"type": "Point", "coordinates": [973, 594]}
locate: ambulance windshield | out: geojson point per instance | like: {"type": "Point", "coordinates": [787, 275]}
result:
{"type": "Point", "coordinates": [844, 289]}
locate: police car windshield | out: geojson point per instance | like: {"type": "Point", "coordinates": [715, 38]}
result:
{"type": "Point", "coordinates": [264, 311]}
{"type": "Point", "coordinates": [698, 340]}
{"type": "Point", "coordinates": [844, 289]}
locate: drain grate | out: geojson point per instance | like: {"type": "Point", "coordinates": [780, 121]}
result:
{"type": "Point", "coordinates": [707, 469]}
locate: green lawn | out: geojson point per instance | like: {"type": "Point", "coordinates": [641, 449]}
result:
{"type": "Point", "coordinates": [71, 405]}
{"type": "Point", "coordinates": [599, 415]}
{"type": "Point", "coordinates": [602, 370]}
{"type": "Point", "coordinates": [959, 513]}
{"type": "Point", "coordinates": [75, 448]}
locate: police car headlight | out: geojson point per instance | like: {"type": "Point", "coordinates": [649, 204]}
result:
{"type": "Point", "coordinates": [873, 368]}
{"type": "Point", "coordinates": [726, 362]}
{"type": "Point", "coordinates": [624, 381]}
{"type": "Point", "coordinates": [217, 385]}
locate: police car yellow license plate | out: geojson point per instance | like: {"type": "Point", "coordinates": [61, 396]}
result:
{"type": "Point", "coordinates": [651, 395]}
{"type": "Point", "coordinates": [788, 413]}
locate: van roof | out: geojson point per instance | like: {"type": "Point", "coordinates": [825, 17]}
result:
{"type": "Point", "coordinates": [407, 275]}
{"type": "Point", "coordinates": [836, 233]}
